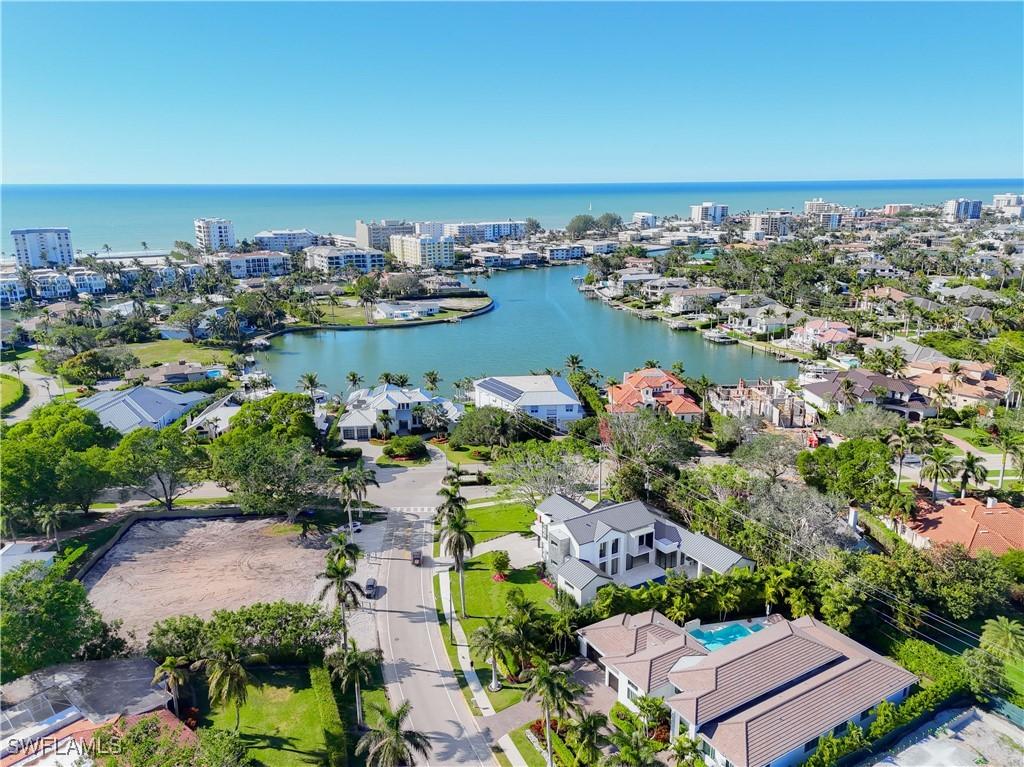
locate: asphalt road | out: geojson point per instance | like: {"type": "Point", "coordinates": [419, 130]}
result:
{"type": "Point", "coordinates": [416, 667]}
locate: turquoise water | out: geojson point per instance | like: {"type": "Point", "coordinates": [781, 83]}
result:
{"type": "Point", "coordinates": [719, 638]}
{"type": "Point", "coordinates": [124, 216]}
{"type": "Point", "coordinates": [538, 320]}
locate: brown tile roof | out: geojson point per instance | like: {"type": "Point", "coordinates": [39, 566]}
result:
{"type": "Point", "coordinates": [649, 668]}
{"type": "Point", "coordinates": [971, 523]}
{"type": "Point", "coordinates": [626, 634]}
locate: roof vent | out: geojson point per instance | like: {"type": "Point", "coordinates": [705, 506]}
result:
{"type": "Point", "coordinates": [990, 502]}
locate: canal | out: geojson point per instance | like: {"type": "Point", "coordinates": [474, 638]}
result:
{"type": "Point", "coordinates": [539, 318]}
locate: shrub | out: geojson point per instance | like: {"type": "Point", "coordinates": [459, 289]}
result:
{"type": "Point", "coordinates": [345, 453]}
{"type": "Point", "coordinates": [94, 364]}
{"type": "Point", "coordinates": [330, 717]}
{"type": "Point", "coordinates": [405, 447]}
{"type": "Point", "coordinates": [624, 719]}
{"type": "Point", "coordinates": [206, 385]}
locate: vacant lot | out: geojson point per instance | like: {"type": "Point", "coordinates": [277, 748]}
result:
{"type": "Point", "coordinates": [196, 566]}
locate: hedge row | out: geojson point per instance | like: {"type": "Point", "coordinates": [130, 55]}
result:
{"type": "Point", "coordinates": [330, 717]}
{"type": "Point", "coordinates": [622, 718]}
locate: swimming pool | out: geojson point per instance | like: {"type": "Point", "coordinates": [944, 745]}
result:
{"type": "Point", "coordinates": [719, 638]}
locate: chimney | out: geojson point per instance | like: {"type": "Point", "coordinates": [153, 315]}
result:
{"type": "Point", "coordinates": [990, 502]}
{"type": "Point", "coordinates": [852, 517]}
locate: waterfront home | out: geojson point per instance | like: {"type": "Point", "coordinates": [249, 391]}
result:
{"type": "Point", "coordinates": [544, 397]}
{"type": "Point", "coordinates": [405, 310]}
{"type": "Point", "coordinates": [756, 314]}
{"type": "Point", "coordinates": [12, 287]}
{"type": "Point", "coordinates": [695, 299]}
{"type": "Point", "coordinates": [174, 373]}
{"type": "Point", "coordinates": [653, 389]}
{"type": "Point", "coordinates": [655, 289]}
{"type": "Point", "coordinates": [595, 247]}
{"type": "Point", "coordinates": [625, 543]}
{"type": "Point", "coordinates": [51, 285]}
{"type": "Point", "coordinates": [911, 351]}
{"type": "Point", "coordinates": [977, 525]}
{"type": "Point", "coordinates": [817, 332]}
{"type": "Point", "coordinates": [141, 406]}
{"type": "Point", "coordinates": [975, 383]}
{"type": "Point", "coordinates": [898, 395]}
{"type": "Point", "coordinates": [87, 281]}
{"type": "Point", "coordinates": [442, 283]}
{"type": "Point", "coordinates": [259, 263]}
{"type": "Point", "coordinates": [521, 256]}
{"type": "Point", "coordinates": [769, 400]}
{"type": "Point", "coordinates": [564, 252]}
{"type": "Point", "coordinates": [364, 409]}
{"type": "Point", "coordinates": [628, 280]}
{"type": "Point", "coordinates": [753, 693]}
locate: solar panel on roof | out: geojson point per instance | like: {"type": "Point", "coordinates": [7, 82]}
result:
{"type": "Point", "coordinates": [502, 389]}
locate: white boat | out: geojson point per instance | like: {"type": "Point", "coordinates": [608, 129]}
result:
{"type": "Point", "coordinates": [718, 337]}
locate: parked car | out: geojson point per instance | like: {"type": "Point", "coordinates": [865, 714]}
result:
{"type": "Point", "coordinates": [355, 528]}
{"type": "Point", "coordinates": [370, 589]}
{"type": "Point", "coordinates": [417, 558]}
{"type": "Point", "coordinates": [911, 460]}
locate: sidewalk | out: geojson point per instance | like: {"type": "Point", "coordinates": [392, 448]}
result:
{"type": "Point", "coordinates": [462, 648]}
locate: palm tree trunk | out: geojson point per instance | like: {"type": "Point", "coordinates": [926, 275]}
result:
{"type": "Point", "coordinates": [359, 704]}
{"type": "Point", "coordinates": [494, 673]}
{"type": "Point", "coordinates": [462, 587]}
{"type": "Point", "coordinates": [238, 715]}
{"type": "Point", "coordinates": [348, 510]}
{"type": "Point", "coordinates": [547, 733]}
{"type": "Point", "coordinates": [344, 622]}
{"type": "Point", "coordinates": [899, 474]}
{"type": "Point", "coordinates": [1002, 470]}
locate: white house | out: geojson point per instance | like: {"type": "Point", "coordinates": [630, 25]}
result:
{"type": "Point", "coordinates": [405, 310]}
{"type": "Point", "coordinates": [141, 406]}
{"type": "Point", "coordinates": [12, 288]}
{"type": "Point", "coordinates": [626, 543]}
{"type": "Point", "coordinates": [752, 693]}
{"type": "Point", "coordinates": [51, 284]}
{"type": "Point", "coordinates": [87, 281]}
{"type": "Point", "coordinates": [565, 252]}
{"type": "Point", "coordinates": [546, 398]}
{"type": "Point", "coordinates": [364, 408]}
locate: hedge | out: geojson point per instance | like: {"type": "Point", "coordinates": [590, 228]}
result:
{"type": "Point", "coordinates": [622, 718]}
{"type": "Point", "coordinates": [561, 751]}
{"type": "Point", "coordinates": [330, 717]}
{"type": "Point", "coordinates": [18, 392]}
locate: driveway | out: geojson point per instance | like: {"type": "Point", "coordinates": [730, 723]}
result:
{"type": "Point", "coordinates": [41, 389]}
{"type": "Point", "coordinates": [416, 667]}
{"type": "Point", "coordinates": [522, 552]}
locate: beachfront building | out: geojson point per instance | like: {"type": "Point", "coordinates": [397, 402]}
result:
{"type": "Point", "coordinates": [564, 252]}
{"type": "Point", "coordinates": [87, 280]}
{"type": "Point", "coordinates": [961, 209]}
{"type": "Point", "coordinates": [51, 285]}
{"type": "Point", "coordinates": [653, 389]}
{"type": "Point", "coordinates": [378, 234]}
{"type": "Point", "coordinates": [818, 205]}
{"type": "Point", "coordinates": [423, 251]}
{"type": "Point", "coordinates": [259, 263]}
{"type": "Point", "coordinates": [404, 407]}
{"type": "Point", "coordinates": [214, 234]}
{"type": "Point", "coordinates": [486, 231]}
{"type": "Point", "coordinates": [627, 543]}
{"type": "Point", "coordinates": [544, 397]}
{"type": "Point", "coordinates": [12, 287]}
{"type": "Point", "coordinates": [895, 208]}
{"type": "Point", "coordinates": [42, 247]}
{"type": "Point", "coordinates": [709, 213]}
{"type": "Point", "coordinates": [759, 692]}
{"type": "Point", "coordinates": [286, 240]}
{"type": "Point", "coordinates": [331, 260]}
{"type": "Point", "coordinates": [644, 220]}
{"type": "Point", "coordinates": [772, 223]}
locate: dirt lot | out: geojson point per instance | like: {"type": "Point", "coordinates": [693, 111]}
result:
{"type": "Point", "coordinates": [959, 739]}
{"type": "Point", "coordinates": [196, 566]}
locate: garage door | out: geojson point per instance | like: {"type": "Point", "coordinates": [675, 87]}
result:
{"type": "Point", "coordinates": [364, 433]}
{"type": "Point", "coordinates": [613, 682]}
{"type": "Point", "coordinates": [594, 655]}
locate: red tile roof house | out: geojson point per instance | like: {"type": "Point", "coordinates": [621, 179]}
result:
{"type": "Point", "coordinates": [976, 525]}
{"type": "Point", "coordinates": [821, 333]}
{"type": "Point", "coordinates": [653, 389]}
{"type": "Point", "coordinates": [756, 693]}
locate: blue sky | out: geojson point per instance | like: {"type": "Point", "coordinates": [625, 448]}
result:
{"type": "Point", "coordinates": [453, 93]}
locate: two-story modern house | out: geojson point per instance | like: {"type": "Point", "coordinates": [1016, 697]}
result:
{"type": "Point", "coordinates": [751, 693]}
{"type": "Point", "coordinates": [626, 543]}
{"type": "Point", "coordinates": [403, 408]}
{"type": "Point", "coordinates": [898, 395]}
{"type": "Point", "coordinates": [546, 398]}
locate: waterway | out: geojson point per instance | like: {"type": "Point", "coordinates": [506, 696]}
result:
{"type": "Point", "coordinates": [539, 318]}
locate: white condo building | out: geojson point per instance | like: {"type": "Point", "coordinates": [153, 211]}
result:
{"type": "Point", "coordinates": [287, 240]}
{"type": "Point", "coordinates": [51, 284]}
{"type": "Point", "coordinates": [961, 209]}
{"type": "Point", "coordinates": [378, 234]}
{"type": "Point", "coordinates": [1007, 200]}
{"type": "Point", "coordinates": [12, 288]}
{"type": "Point", "coordinates": [772, 223]}
{"type": "Point", "coordinates": [43, 247]}
{"type": "Point", "coordinates": [895, 208]}
{"type": "Point", "coordinates": [430, 228]}
{"type": "Point", "coordinates": [423, 251]}
{"type": "Point", "coordinates": [326, 258]}
{"type": "Point", "coordinates": [260, 263]}
{"type": "Point", "coordinates": [214, 234]}
{"type": "Point", "coordinates": [87, 280]}
{"type": "Point", "coordinates": [644, 220]}
{"type": "Point", "coordinates": [709, 213]}
{"type": "Point", "coordinates": [486, 231]}
{"type": "Point", "coordinates": [818, 205]}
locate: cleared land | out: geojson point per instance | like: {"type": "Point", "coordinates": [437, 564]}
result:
{"type": "Point", "coordinates": [196, 566]}
{"type": "Point", "coordinates": [173, 349]}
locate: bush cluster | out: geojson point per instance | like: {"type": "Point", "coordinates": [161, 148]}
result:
{"type": "Point", "coordinates": [330, 717]}
{"type": "Point", "coordinates": [405, 447]}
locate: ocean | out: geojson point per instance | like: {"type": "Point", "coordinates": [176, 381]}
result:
{"type": "Point", "coordinates": [125, 216]}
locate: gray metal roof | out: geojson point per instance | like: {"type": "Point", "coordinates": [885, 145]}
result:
{"type": "Point", "coordinates": [140, 406]}
{"type": "Point", "coordinates": [623, 517]}
{"type": "Point", "coordinates": [578, 573]}
{"type": "Point", "coordinates": [560, 508]}
{"type": "Point", "coordinates": [708, 551]}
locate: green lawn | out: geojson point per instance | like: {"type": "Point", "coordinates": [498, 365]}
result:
{"type": "Point", "coordinates": [973, 437]}
{"type": "Point", "coordinates": [485, 598]}
{"type": "Point", "coordinates": [174, 349]}
{"type": "Point", "coordinates": [489, 522]}
{"type": "Point", "coordinates": [450, 651]}
{"type": "Point", "coordinates": [193, 501]}
{"type": "Point", "coordinates": [280, 721]}
{"type": "Point", "coordinates": [390, 463]}
{"type": "Point", "coordinates": [12, 391]}
{"type": "Point", "coordinates": [531, 755]}
{"type": "Point", "coordinates": [463, 454]}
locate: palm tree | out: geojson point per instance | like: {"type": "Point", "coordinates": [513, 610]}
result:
{"type": "Point", "coordinates": [457, 542]}
{"type": "Point", "coordinates": [354, 667]}
{"type": "Point", "coordinates": [453, 505]}
{"type": "Point", "coordinates": [430, 380]}
{"type": "Point", "coordinates": [1003, 637]}
{"type": "Point", "coordinates": [389, 744]}
{"type": "Point", "coordinates": [386, 419]}
{"type": "Point", "coordinates": [586, 737]}
{"type": "Point", "coordinates": [1008, 442]}
{"type": "Point", "coordinates": [972, 468]}
{"type": "Point", "coordinates": [491, 640]}
{"type": "Point", "coordinates": [352, 483]}
{"type": "Point", "coordinates": [652, 364]}
{"type": "Point", "coordinates": [681, 607]}
{"type": "Point", "coordinates": [573, 363]}
{"type": "Point", "coordinates": [309, 383]}
{"type": "Point", "coordinates": [354, 379]}
{"type": "Point", "coordinates": [939, 464]}
{"type": "Point", "coordinates": [337, 575]}
{"type": "Point", "coordinates": [686, 752]}
{"type": "Point", "coordinates": [174, 672]}
{"type": "Point", "coordinates": [901, 506]}
{"type": "Point", "coordinates": [900, 441]}
{"type": "Point", "coordinates": [226, 676]}
{"type": "Point", "coordinates": [776, 585]}
{"type": "Point", "coordinates": [343, 549]}
{"type": "Point", "coordinates": [556, 692]}
{"type": "Point", "coordinates": [18, 368]}
{"type": "Point", "coordinates": [633, 749]}
{"type": "Point", "coordinates": [49, 519]}
{"type": "Point", "coordinates": [941, 395]}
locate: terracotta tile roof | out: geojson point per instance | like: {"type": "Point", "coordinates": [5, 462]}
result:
{"type": "Point", "coordinates": [972, 523]}
{"type": "Point", "coordinates": [649, 668]}
{"type": "Point", "coordinates": [665, 389]}
{"type": "Point", "coordinates": [626, 634]}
